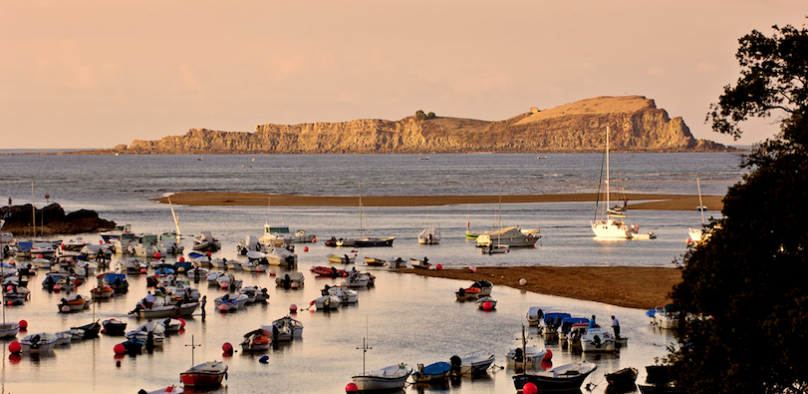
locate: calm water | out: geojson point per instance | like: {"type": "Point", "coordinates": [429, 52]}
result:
{"type": "Point", "coordinates": [408, 319]}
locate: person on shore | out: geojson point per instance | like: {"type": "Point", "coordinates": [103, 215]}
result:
{"type": "Point", "coordinates": [616, 327]}
{"type": "Point", "coordinates": [592, 323]}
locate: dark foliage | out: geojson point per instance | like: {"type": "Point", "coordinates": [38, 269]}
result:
{"type": "Point", "coordinates": [746, 284]}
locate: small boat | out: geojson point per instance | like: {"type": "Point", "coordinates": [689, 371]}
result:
{"type": "Point", "coordinates": [290, 280]}
{"type": "Point", "coordinates": [328, 272]}
{"type": "Point", "coordinates": [239, 300]}
{"type": "Point", "coordinates": [303, 236]}
{"type": "Point", "coordinates": [625, 377]}
{"type": "Point", "coordinates": [229, 282]}
{"type": "Point", "coordinates": [508, 236]}
{"type": "Point", "coordinates": [256, 341]}
{"type": "Point", "coordinates": [74, 245]}
{"type": "Point", "coordinates": [168, 389]}
{"type": "Point", "coordinates": [432, 372]}
{"type": "Point", "coordinates": [117, 282]}
{"type": "Point", "coordinates": [285, 329]}
{"type": "Point", "coordinates": [551, 322]}
{"type": "Point", "coordinates": [469, 294]}
{"type": "Point", "coordinates": [358, 279]}
{"type": "Point", "coordinates": [74, 303]}
{"type": "Point", "coordinates": [568, 377]}
{"type": "Point", "coordinates": [374, 262]}
{"type": "Point", "coordinates": [89, 331]}
{"type": "Point", "coordinates": [495, 249]}
{"type": "Point", "coordinates": [9, 329]}
{"type": "Point", "coordinates": [611, 224]}
{"type": "Point", "coordinates": [492, 303]}
{"type": "Point", "coordinates": [213, 278]}
{"type": "Point", "coordinates": [421, 264]}
{"type": "Point", "coordinates": [598, 340]}
{"type": "Point", "coordinates": [102, 292]}
{"type": "Point", "coordinates": [252, 266]}
{"type": "Point", "coordinates": [388, 378]}
{"type": "Point", "coordinates": [205, 242]}
{"type": "Point", "coordinates": [38, 343]}
{"type": "Point", "coordinates": [535, 315]}
{"type": "Point", "coordinates": [114, 327]}
{"type": "Point", "coordinates": [132, 265]}
{"type": "Point", "coordinates": [429, 236]}
{"type": "Point", "coordinates": [397, 263]}
{"type": "Point", "coordinates": [63, 338]}
{"type": "Point", "coordinates": [152, 331]}
{"type": "Point", "coordinates": [472, 365]}
{"type": "Point", "coordinates": [115, 233]}
{"type": "Point", "coordinates": [207, 374]}
{"type": "Point", "coordinates": [484, 286]}
{"type": "Point", "coordinates": [326, 303]}
{"type": "Point", "coordinates": [255, 294]}
{"type": "Point", "coordinates": [530, 355]}
{"type": "Point", "coordinates": [346, 295]}
{"type": "Point", "coordinates": [172, 325]}
{"type": "Point", "coordinates": [185, 309]}
{"type": "Point", "coordinates": [335, 259]}
{"type": "Point", "coordinates": [133, 346]}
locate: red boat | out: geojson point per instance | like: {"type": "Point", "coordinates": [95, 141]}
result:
{"type": "Point", "coordinates": [328, 272]}
{"type": "Point", "coordinates": [207, 374]}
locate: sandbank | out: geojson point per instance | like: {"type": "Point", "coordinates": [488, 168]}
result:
{"type": "Point", "coordinates": [673, 202]}
{"type": "Point", "coordinates": [632, 287]}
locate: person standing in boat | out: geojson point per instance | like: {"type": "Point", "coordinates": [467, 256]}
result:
{"type": "Point", "coordinates": [149, 300]}
{"type": "Point", "coordinates": [592, 323]}
{"type": "Point", "coordinates": [616, 327]}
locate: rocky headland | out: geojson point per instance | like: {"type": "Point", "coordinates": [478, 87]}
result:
{"type": "Point", "coordinates": [637, 126]}
{"type": "Point", "coordinates": [51, 220]}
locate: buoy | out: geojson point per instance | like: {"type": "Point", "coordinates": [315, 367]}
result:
{"type": "Point", "coordinates": [182, 259]}
{"type": "Point", "coordinates": [351, 388]}
{"type": "Point", "coordinates": [225, 285]}
{"type": "Point", "coordinates": [473, 269]}
{"type": "Point", "coordinates": [156, 255]}
{"type": "Point", "coordinates": [305, 248]}
{"type": "Point", "coordinates": [100, 241]}
{"type": "Point", "coordinates": [143, 271]}
{"type": "Point", "coordinates": [687, 241]}
{"type": "Point", "coordinates": [295, 285]}
{"type": "Point", "coordinates": [14, 347]}
{"type": "Point", "coordinates": [522, 282]}
{"type": "Point", "coordinates": [264, 359]}
{"type": "Point", "coordinates": [439, 267]}
{"type": "Point", "coordinates": [311, 269]}
{"type": "Point", "coordinates": [119, 349]}
{"type": "Point", "coordinates": [222, 307]}
{"type": "Point", "coordinates": [65, 309]}
{"type": "Point", "coordinates": [23, 325]}
{"type": "Point", "coordinates": [548, 356]}
{"type": "Point", "coordinates": [56, 288]}
{"type": "Point", "coordinates": [76, 282]}
{"type": "Point", "coordinates": [530, 388]}
{"type": "Point", "coordinates": [182, 322]}
{"type": "Point", "coordinates": [487, 305]}
{"type": "Point", "coordinates": [293, 308]}
{"type": "Point", "coordinates": [9, 288]}
{"type": "Point", "coordinates": [547, 365]}
{"type": "Point", "coordinates": [314, 240]}
{"type": "Point", "coordinates": [208, 253]}
{"type": "Point", "coordinates": [311, 303]}
{"type": "Point", "coordinates": [8, 303]}
{"type": "Point", "coordinates": [227, 347]}
{"type": "Point", "coordinates": [272, 272]}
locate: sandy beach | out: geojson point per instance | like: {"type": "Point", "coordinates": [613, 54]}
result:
{"type": "Point", "coordinates": [673, 202]}
{"type": "Point", "coordinates": [633, 287]}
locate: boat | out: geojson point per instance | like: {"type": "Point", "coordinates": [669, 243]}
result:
{"type": "Point", "coordinates": [471, 365]}
{"type": "Point", "coordinates": [625, 377]}
{"type": "Point", "coordinates": [397, 263]}
{"type": "Point", "coordinates": [89, 331]}
{"type": "Point", "coordinates": [551, 322]}
{"type": "Point", "coordinates": [431, 373]}
{"type": "Point", "coordinates": [205, 242]}
{"type": "Point", "coordinates": [495, 249]}
{"type": "Point", "coordinates": [213, 277]}
{"type": "Point", "coordinates": [420, 264]}
{"type": "Point", "coordinates": [597, 339]}
{"type": "Point", "coordinates": [346, 295]}
{"type": "Point", "coordinates": [239, 301]}
{"type": "Point", "coordinates": [363, 241]}
{"type": "Point", "coordinates": [697, 235]}
{"type": "Point", "coordinates": [611, 225]}
{"type": "Point", "coordinates": [468, 294]}
{"type": "Point", "coordinates": [484, 286]}
{"type": "Point", "coordinates": [207, 374]}
{"type": "Point", "coordinates": [290, 280]}
{"type": "Point", "coordinates": [282, 257]}
{"type": "Point", "coordinates": [133, 346]}
{"type": "Point", "coordinates": [568, 377]}
{"type": "Point", "coordinates": [114, 327]}
{"type": "Point", "coordinates": [388, 378]}
{"type": "Point", "coordinates": [152, 331]}
{"type": "Point", "coordinates": [74, 245]}
{"type": "Point", "coordinates": [357, 279]}
{"type": "Point", "coordinates": [328, 272]}
{"type": "Point", "coordinates": [185, 309]}
{"type": "Point", "coordinates": [74, 303]}
{"type": "Point", "coordinates": [429, 236]}
{"type": "Point", "coordinates": [132, 265]}
{"type": "Point", "coordinates": [374, 262]}
{"type": "Point", "coordinates": [115, 233]}
{"type": "Point", "coordinates": [148, 245]}
{"type": "Point", "coordinates": [255, 294]}
{"type": "Point", "coordinates": [326, 303]}
{"type": "Point", "coordinates": [529, 355]}
{"type": "Point", "coordinates": [285, 329]}
{"type": "Point", "coordinates": [102, 292]}
{"type": "Point", "coordinates": [168, 389]}
{"type": "Point", "coordinates": [172, 325]}
{"type": "Point", "coordinates": [666, 318]}
{"type": "Point", "coordinates": [336, 259]}
{"type": "Point", "coordinates": [229, 282]}
{"type": "Point", "coordinates": [567, 325]}
{"type": "Point", "coordinates": [303, 236]}
{"type": "Point", "coordinates": [256, 341]}
{"type": "Point", "coordinates": [249, 244]}
{"type": "Point", "coordinates": [7, 329]}
{"type": "Point", "coordinates": [252, 266]}
{"type": "Point", "coordinates": [492, 303]}
{"type": "Point", "coordinates": [509, 237]}
{"type": "Point", "coordinates": [276, 235]}
{"type": "Point", "coordinates": [38, 343]}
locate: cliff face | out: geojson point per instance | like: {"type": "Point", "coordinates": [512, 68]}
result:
{"type": "Point", "coordinates": [636, 125]}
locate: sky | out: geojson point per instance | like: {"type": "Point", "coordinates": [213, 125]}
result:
{"type": "Point", "coordinates": [94, 74]}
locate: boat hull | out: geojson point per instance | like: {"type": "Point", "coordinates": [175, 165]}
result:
{"type": "Point", "coordinates": [168, 311]}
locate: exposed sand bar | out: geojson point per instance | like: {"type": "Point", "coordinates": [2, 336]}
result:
{"type": "Point", "coordinates": [633, 287]}
{"type": "Point", "coordinates": [671, 202]}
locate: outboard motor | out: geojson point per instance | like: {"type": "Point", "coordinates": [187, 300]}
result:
{"type": "Point", "coordinates": [455, 363]}
{"type": "Point", "coordinates": [518, 356]}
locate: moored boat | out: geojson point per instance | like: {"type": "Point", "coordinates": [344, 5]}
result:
{"type": "Point", "coordinates": [422, 264]}
{"type": "Point", "coordinates": [568, 377]}
{"type": "Point", "coordinates": [432, 372]}
{"type": "Point", "coordinates": [474, 364]}
{"type": "Point", "coordinates": [336, 259]}
{"type": "Point", "coordinates": [38, 343]}
{"type": "Point", "coordinates": [388, 378]}
{"type": "Point", "coordinates": [374, 262]}
{"type": "Point", "coordinates": [256, 341]}
{"type": "Point", "coordinates": [207, 374]}
{"type": "Point", "coordinates": [114, 327]}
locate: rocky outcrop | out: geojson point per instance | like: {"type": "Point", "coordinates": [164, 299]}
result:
{"type": "Point", "coordinates": [637, 125]}
{"type": "Point", "coordinates": [52, 220]}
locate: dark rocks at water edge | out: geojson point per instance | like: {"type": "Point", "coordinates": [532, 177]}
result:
{"type": "Point", "coordinates": [52, 220]}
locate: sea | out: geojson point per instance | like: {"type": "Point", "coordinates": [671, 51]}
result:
{"type": "Point", "coordinates": [405, 318]}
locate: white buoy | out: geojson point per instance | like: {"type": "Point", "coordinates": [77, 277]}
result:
{"type": "Point", "coordinates": [522, 282]}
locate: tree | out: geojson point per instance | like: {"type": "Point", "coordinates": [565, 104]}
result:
{"type": "Point", "coordinates": [430, 115]}
{"type": "Point", "coordinates": [420, 115]}
{"type": "Point", "coordinates": [746, 284]}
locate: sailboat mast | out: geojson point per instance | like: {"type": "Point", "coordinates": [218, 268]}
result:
{"type": "Point", "coordinates": [33, 211]}
{"type": "Point", "coordinates": [701, 204]}
{"type": "Point", "coordinates": [608, 192]}
{"type": "Point", "coordinates": [361, 213]}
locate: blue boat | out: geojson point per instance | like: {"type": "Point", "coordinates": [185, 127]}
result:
{"type": "Point", "coordinates": [432, 372]}
{"type": "Point", "coordinates": [117, 282]}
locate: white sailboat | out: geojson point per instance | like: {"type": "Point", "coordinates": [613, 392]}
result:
{"type": "Point", "coordinates": [610, 225]}
{"type": "Point", "coordinates": [697, 234]}
{"type": "Point", "coordinates": [362, 240]}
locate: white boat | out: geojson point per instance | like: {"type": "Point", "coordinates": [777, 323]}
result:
{"type": "Point", "coordinates": [219, 263]}
{"type": "Point", "coordinates": [249, 244]}
{"type": "Point", "coordinates": [213, 278]}
{"type": "Point", "coordinates": [155, 328]}
{"type": "Point", "coordinates": [7, 329]}
{"type": "Point", "coordinates": [38, 343]}
{"type": "Point", "coordinates": [254, 294]}
{"type": "Point", "coordinates": [74, 244]}
{"type": "Point", "coordinates": [535, 314]}
{"type": "Point", "coordinates": [229, 282]}
{"type": "Point", "coordinates": [233, 265]}
{"type": "Point", "coordinates": [252, 266]}
{"type": "Point", "coordinates": [697, 235]}
{"type": "Point", "coordinates": [346, 295]}
{"type": "Point", "coordinates": [42, 249]}
{"type": "Point", "coordinates": [285, 329]}
{"type": "Point", "coordinates": [290, 280]}
{"type": "Point", "coordinates": [281, 257]}
{"type": "Point", "coordinates": [337, 259]}
{"type": "Point", "coordinates": [597, 340]}
{"type": "Point", "coordinates": [239, 300]}
{"type": "Point", "coordinates": [115, 234]}
{"type": "Point", "coordinates": [276, 235]}
{"type": "Point", "coordinates": [303, 236]}
{"type": "Point", "coordinates": [174, 389]}
{"type": "Point", "coordinates": [475, 364]}
{"type": "Point", "coordinates": [611, 224]}
{"type": "Point", "coordinates": [148, 245]}
{"type": "Point", "coordinates": [171, 325]}
{"type": "Point", "coordinates": [429, 236]}
{"type": "Point", "coordinates": [482, 300]}
{"type": "Point", "coordinates": [74, 303]}
{"type": "Point", "coordinates": [495, 249]}
{"type": "Point", "coordinates": [327, 303]}
{"type": "Point", "coordinates": [530, 356]}
{"type": "Point", "coordinates": [509, 236]}
{"type": "Point", "coordinates": [205, 242]}
{"type": "Point", "coordinates": [185, 309]}
{"type": "Point", "coordinates": [132, 265]}
{"type": "Point", "coordinates": [388, 378]}
{"type": "Point", "coordinates": [356, 279]}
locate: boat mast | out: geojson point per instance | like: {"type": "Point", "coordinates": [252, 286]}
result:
{"type": "Point", "coordinates": [193, 348]}
{"type": "Point", "coordinates": [33, 212]}
{"type": "Point", "coordinates": [176, 220]}
{"type": "Point", "coordinates": [607, 172]}
{"type": "Point", "coordinates": [701, 204]}
{"type": "Point", "coordinates": [524, 348]}
{"type": "Point", "coordinates": [3, 268]}
{"type": "Point", "coordinates": [365, 347]}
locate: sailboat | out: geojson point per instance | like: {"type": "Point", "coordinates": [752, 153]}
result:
{"type": "Point", "coordinates": [610, 225]}
{"type": "Point", "coordinates": [388, 378]}
{"type": "Point", "coordinates": [697, 234]}
{"type": "Point", "coordinates": [501, 240]}
{"type": "Point", "coordinates": [363, 241]}
{"type": "Point", "coordinates": [7, 330]}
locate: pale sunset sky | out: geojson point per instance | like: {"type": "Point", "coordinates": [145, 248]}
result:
{"type": "Point", "coordinates": [94, 74]}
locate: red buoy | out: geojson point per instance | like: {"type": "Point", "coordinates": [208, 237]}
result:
{"type": "Point", "coordinates": [439, 267]}
{"type": "Point", "coordinates": [157, 255]}
{"type": "Point", "coordinates": [487, 305]}
{"type": "Point", "coordinates": [548, 356]}
{"type": "Point", "coordinates": [293, 308]}
{"type": "Point", "coordinates": [305, 248]}
{"type": "Point", "coordinates": [223, 308]}
{"type": "Point", "coordinates": [23, 325]}
{"type": "Point", "coordinates": [351, 388]}
{"type": "Point", "coordinates": [314, 240]}
{"type": "Point", "coordinates": [119, 349]}
{"type": "Point", "coordinates": [182, 322]}
{"type": "Point", "coordinates": [182, 259]}
{"type": "Point", "coordinates": [227, 347]}
{"type": "Point", "coordinates": [100, 241]}
{"type": "Point", "coordinates": [530, 388]}
{"type": "Point", "coordinates": [14, 347]}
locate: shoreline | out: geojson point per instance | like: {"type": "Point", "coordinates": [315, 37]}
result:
{"type": "Point", "coordinates": [630, 287]}
{"type": "Point", "coordinates": [668, 202]}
